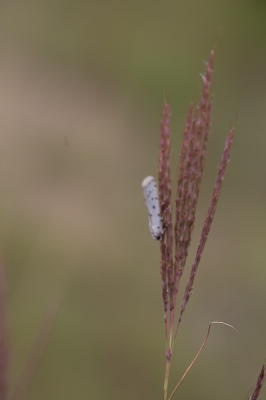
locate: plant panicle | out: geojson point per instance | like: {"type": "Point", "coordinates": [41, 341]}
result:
{"type": "Point", "coordinates": [179, 218]}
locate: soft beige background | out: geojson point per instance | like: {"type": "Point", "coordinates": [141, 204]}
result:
{"type": "Point", "coordinates": [81, 91]}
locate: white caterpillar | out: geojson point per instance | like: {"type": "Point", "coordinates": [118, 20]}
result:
{"type": "Point", "coordinates": [152, 202]}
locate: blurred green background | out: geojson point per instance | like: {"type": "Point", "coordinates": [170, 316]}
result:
{"type": "Point", "coordinates": [81, 93]}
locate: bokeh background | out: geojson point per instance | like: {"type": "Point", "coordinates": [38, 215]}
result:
{"type": "Point", "coordinates": [81, 92]}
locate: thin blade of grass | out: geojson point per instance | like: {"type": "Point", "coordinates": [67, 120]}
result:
{"type": "Point", "coordinates": [4, 353]}
{"type": "Point", "coordinates": [30, 369]}
{"type": "Point", "coordinates": [197, 355]}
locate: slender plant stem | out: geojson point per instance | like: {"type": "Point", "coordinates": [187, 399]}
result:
{"type": "Point", "coordinates": [166, 378]}
{"type": "Point", "coordinates": [198, 353]}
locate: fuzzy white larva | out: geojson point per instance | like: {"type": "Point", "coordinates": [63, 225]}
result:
{"type": "Point", "coordinates": [150, 191]}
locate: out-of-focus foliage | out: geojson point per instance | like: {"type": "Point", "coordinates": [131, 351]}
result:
{"type": "Point", "coordinates": [81, 93]}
